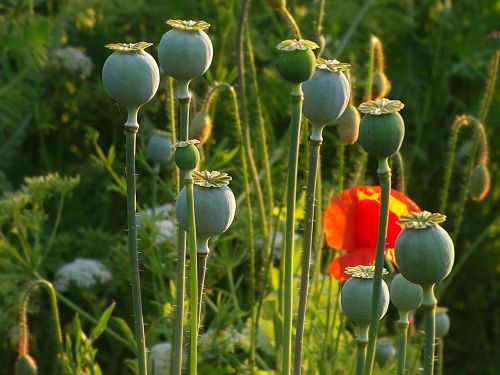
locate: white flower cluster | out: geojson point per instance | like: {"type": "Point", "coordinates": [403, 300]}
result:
{"type": "Point", "coordinates": [229, 338]}
{"type": "Point", "coordinates": [159, 358]}
{"type": "Point", "coordinates": [166, 229]}
{"type": "Point", "coordinates": [83, 273]}
{"type": "Point", "coordinates": [73, 60]}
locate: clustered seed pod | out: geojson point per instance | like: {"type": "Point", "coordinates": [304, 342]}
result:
{"type": "Point", "coordinates": [405, 295]}
{"type": "Point", "coordinates": [201, 127]}
{"type": "Point", "coordinates": [348, 125]}
{"type": "Point", "coordinates": [214, 205]}
{"type": "Point", "coordinates": [296, 61]}
{"type": "Point", "coordinates": [186, 154]}
{"type": "Point", "coordinates": [381, 85]}
{"type": "Point", "coordinates": [442, 322]}
{"type": "Point", "coordinates": [130, 75]}
{"type": "Point", "coordinates": [479, 182]}
{"type": "Point", "coordinates": [424, 250]}
{"type": "Point", "coordinates": [326, 94]}
{"type": "Point", "coordinates": [385, 351]}
{"type": "Point", "coordinates": [159, 147]}
{"type": "Point", "coordinates": [382, 128]}
{"type": "Point", "coordinates": [356, 295]}
{"type": "Point", "coordinates": [185, 52]}
{"type": "Point", "coordinates": [26, 365]}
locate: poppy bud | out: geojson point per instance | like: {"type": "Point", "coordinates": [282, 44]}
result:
{"type": "Point", "coordinates": [26, 365]}
{"type": "Point", "coordinates": [405, 295]}
{"type": "Point", "coordinates": [186, 154]}
{"type": "Point", "coordinates": [201, 127]}
{"type": "Point", "coordinates": [296, 61]}
{"type": "Point", "coordinates": [381, 85]}
{"type": "Point", "coordinates": [158, 149]}
{"type": "Point", "coordinates": [348, 125]}
{"type": "Point", "coordinates": [442, 322]}
{"type": "Point", "coordinates": [479, 182]}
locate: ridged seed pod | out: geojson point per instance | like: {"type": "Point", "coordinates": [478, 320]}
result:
{"type": "Point", "coordinates": [186, 51]}
{"type": "Point", "coordinates": [405, 295]}
{"type": "Point", "coordinates": [159, 147]}
{"type": "Point", "coordinates": [296, 60]}
{"type": "Point", "coordinates": [381, 85]}
{"type": "Point", "coordinates": [186, 154]}
{"type": "Point", "coordinates": [382, 128]}
{"type": "Point", "coordinates": [356, 295]}
{"type": "Point", "coordinates": [214, 204]}
{"type": "Point", "coordinates": [201, 127]}
{"type": "Point", "coordinates": [442, 322]}
{"type": "Point", "coordinates": [479, 183]}
{"type": "Point", "coordinates": [385, 351]}
{"type": "Point", "coordinates": [26, 365]}
{"type": "Point", "coordinates": [348, 125]}
{"type": "Point", "coordinates": [130, 75]}
{"type": "Point", "coordinates": [424, 250]}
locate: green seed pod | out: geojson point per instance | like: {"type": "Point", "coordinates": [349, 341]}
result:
{"type": "Point", "coordinates": [348, 125]}
{"type": "Point", "coordinates": [130, 75]}
{"type": "Point", "coordinates": [356, 295]}
{"type": "Point", "coordinates": [201, 127]}
{"type": "Point", "coordinates": [385, 351]}
{"type": "Point", "coordinates": [159, 147]}
{"type": "Point", "coordinates": [405, 295]}
{"type": "Point", "coordinates": [382, 128]}
{"type": "Point", "coordinates": [326, 94]}
{"type": "Point", "coordinates": [424, 250]}
{"type": "Point", "coordinates": [214, 205]}
{"type": "Point", "coordinates": [479, 183]}
{"type": "Point", "coordinates": [381, 85]}
{"type": "Point", "coordinates": [186, 154]}
{"type": "Point", "coordinates": [276, 4]}
{"type": "Point", "coordinates": [296, 61]}
{"type": "Point", "coordinates": [26, 365]}
{"type": "Point", "coordinates": [442, 322]}
{"type": "Point", "coordinates": [185, 52]}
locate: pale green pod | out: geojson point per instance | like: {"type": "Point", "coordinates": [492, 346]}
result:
{"type": "Point", "coordinates": [385, 351]}
{"type": "Point", "coordinates": [348, 125]}
{"type": "Point", "coordinates": [186, 51]}
{"type": "Point", "coordinates": [130, 75]}
{"type": "Point", "coordinates": [405, 295]}
{"type": "Point", "coordinates": [159, 147]}
{"type": "Point", "coordinates": [442, 322]}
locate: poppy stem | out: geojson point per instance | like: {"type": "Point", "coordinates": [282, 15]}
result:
{"type": "Point", "coordinates": [440, 344]}
{"type": "Point", "coordinates": [297, 98]}
{"type": "Point", "coordinates": [384, 174]}
{"type": "Point", "coordinates": [403, 337]}
{"type": "Point", "coordinates": [429, 304]}
{"type": "Point", "coordinates": [361, 342]}
{"type": "Point", "coordinates": [314, 150]}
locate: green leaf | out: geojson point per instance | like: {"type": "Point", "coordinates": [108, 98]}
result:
{"type": "Point", "coordinates": [124, 328]}
{"type": "Point", "coordinates": [103, 322]}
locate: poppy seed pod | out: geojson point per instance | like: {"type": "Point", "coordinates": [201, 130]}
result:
{"type": "Point", "coordinates": [356, 295]}
{"type": "Point", "coordinates": [385, 351]}
{"type": "Point", "coordinates": [424, 250]}
{"type": "Point", "coordinates": [326, 94]}
{"type": "Point", "coordinates": [201, 127]}
{"type": "Point", "coordinates": [381, 85]}
{"type": "Point", "coordinates": [214, 205]}
{"type": "Point", "coordinates": [442, 322]}
{"type": "Point", "coordinates": [130, 75]}
{"type": "Point", "coordinates": [405, 295]}
{"type": "Point", "coordinates": [159, 147]}
{"type": "Point", "coordinates": [382, 128]}
{"type": "Point", "coordinates": [296, 61]}
{"type": "Point", "coordinates": [186, 154]}
{"type": "Point", "coordinates": [26, 365]}
{"type": "Point", "coordinates": [186, 51]}
{"type": "Point", "coordinates": [479, 183]}
{"type": "Point", "coordinates": [348, 125]}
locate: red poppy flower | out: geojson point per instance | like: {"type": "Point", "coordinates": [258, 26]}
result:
{"type": "Point", "coordinates": [351, 226]}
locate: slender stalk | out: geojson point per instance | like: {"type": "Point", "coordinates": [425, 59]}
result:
{"type": "Point", "coordinates": [330, 323]}
{"type": "Point", "coordinates": [371, 65]}
{"type": "Point", "coordinates": [429, 305]}
{"type": "Point", "coordinates": [337, 342]}
{"type": "Point", "coordinates": [321, 16]}
{"type": "Point", "coordinates": [173, 124]}
{"type": "Point", "coordinates": [297, 97]}
{"type": "Point", "coordinates": [384, 174]}
{"type": "Point", "coordinates": [399, 164]}
{"type": "Point", "coordinates": [361, 342]}
{"type": "Point", "coordinates": [202, 269]}
{"type": "Point", "coordinates": [314, 150]}
{"type": "Point", "coordinates": [131, 129]}
{"type": "Point", "coordinates": [154, 188]}
{"type": "Point", "coordinates": [440, 358]}
{"type": "Point", "coordinates": [287, 16]}
{"type": "Point", "coordinates": [490, 86]}
{"type": "Point", "coordinates": [403, 338]}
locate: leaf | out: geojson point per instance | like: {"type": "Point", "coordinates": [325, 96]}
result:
{"type": "Point", "coordinates": [124, 328]}
{"type": "Point", "coordinates": [103, 322]}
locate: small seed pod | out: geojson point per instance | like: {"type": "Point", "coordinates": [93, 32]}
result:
{"type": "Point", "coordinates": [276, 4]}
{"type": "Point", "coordinates": [381, 85]}
{"type": "Point", "coordinates": [159, 147]}
{"type": "Point", "coordinates": [382, 128]}
{"type": "Point", "coordinates": [26, 365]}
{"type": "Point", "coordinates": [296, 61]}
{"type": "Point", "coordinates": [185, 52]}
{"type": "Point", "coordinates": [186, 154]}
{"type": "Point", "coordinates": [326, 94]}
{"type": "Point", "coordinates": [348, 125]}
{"type": "Point", "coordinates": [385, 351]}
{"type": "Point", "coordinates": [130, 75]}
{"type": "Point", "coordinates": [479, 182]}
{"type": "Point", "coordinates": [442, 322]}
{"type": "Point", "coordinates": [356, 295]}
{"type": "Point", "coordinates": [424, 250]}
{"type": "Point", "coordinates": [201, 127]}
{"type": "Point", "coordinates": [405, 295]}
{"type": "Point", "coordinates": [214, 205]}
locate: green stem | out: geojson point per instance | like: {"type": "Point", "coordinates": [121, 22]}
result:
{"type": "Point", "coordinates": [490, 86]}
{"type": "Point", "coordinates": [329, 323]}
{"type": "Point", "coordinates": [361, 342]}
{"type": "Point", "coordinates": [371, 65]}
{"type": "Point", "coordinates": [232, 288]}
{"type": "Point", "coordinates": [321, 16]}
{"type": "Point", "coordinates": [173, 124]}
{"type": "Point", "coordinates": [337, 342]}
{"type": "Point", "coordinates": [440, 357]}
{"type": "Point", "coordinates": [202, 269]}
{"type": "Point", "coordinates": [429, 304]}
{"type": "Point", "coordinates": [384, 174]}
{"type": "Point", "coordinates": [154, 188]}
{"type": "Point", "coordinates": [314, 151]}
{"type": "Point", "coordinates": [399, 164]}
{"type": "Point", "coordinates": [131, 129]}
{"type": "Point", "coordinates": [403, 338]}
{"type": "Point", "coordinates": [291, 22]}
{"type": "Point", "coordinates": [297, 97]}
{"type": "Point", "coordinates": [57, 221]}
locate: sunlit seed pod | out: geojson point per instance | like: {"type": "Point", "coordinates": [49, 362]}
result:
{"type": "Point", "coordinates": [348, 125]}
{"type": "Point", "coordinates": [26, 365]}
{"type": "Point", "coordinates": [296, 61]}
{"type": "Point", "coordinates": [130, 75]}
{"type": "Point", "coordinates": [381, 86]}
{"type": "Point", "coordinates": [201, 127]}
{"type": "Point", "coordinates": [385, 351]}
{"type": "Point", "coordinates": [159, 147]}
{"type": "Point", "coordinates": [405, 295]}
{"type": "Point", "coordinates": [186, 154]}
{"type": "Point", "coordinates": [186, 51]}
{"type": "Point", "coordinates": [442, 322]}
{"type": "Point", "coordinates": [479, 182]}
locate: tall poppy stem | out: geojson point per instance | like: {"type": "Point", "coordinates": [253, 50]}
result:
{"type": "Point", "coordinates": [297, 98]}
{"type": "Point", "coordinates": [384, 174]}
{"type": "Point", "coordinates": [429, 304]}
{"type": "Point", "coordinates": [361, 342]}
{"type": "Point", "coordinates": [403, 338]}
{"type": "Point", "coordinates": [315, 144]}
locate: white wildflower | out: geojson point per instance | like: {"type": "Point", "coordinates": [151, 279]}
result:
{"type": "Point", "coordinates": [83, 273]}
{"type": "Point", "coordinates": [73, 60]}
{"type": "Point", "coordinates": [159, 358]}
{"type": "Point", "coordinates": [165, 230]}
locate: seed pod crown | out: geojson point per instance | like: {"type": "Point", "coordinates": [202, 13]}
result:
{"type": "Point", "coordinates": [296, 61]}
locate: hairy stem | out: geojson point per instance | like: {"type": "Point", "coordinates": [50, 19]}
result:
{"type": "Point", "coordinates": [173, 124]}
{"type": "Point", "coordinates": [287, 16]}
{"type": "Point", "coordinates": [321, 16]}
